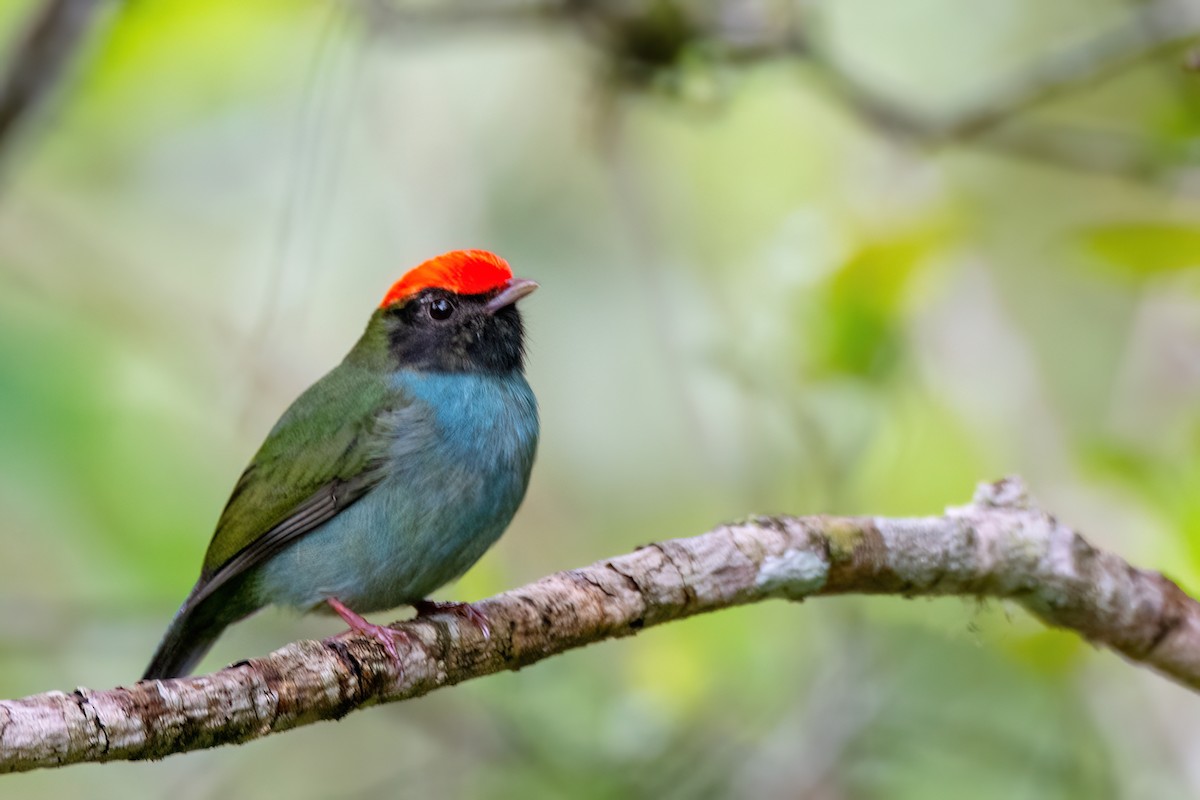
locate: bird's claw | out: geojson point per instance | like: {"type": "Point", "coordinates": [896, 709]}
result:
{"type": "Point", "coordinates": [381, 633]}
{"type": "Point", "coordinates": [465, 610]}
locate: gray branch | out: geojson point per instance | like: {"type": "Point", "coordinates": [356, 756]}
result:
{"type": "Point", "coordinates": [1001, 546]}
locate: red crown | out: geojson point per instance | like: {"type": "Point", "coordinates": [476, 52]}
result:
{"type": "Point", "coordinates": [459, 271]}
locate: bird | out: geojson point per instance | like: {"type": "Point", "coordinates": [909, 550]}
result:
{"type": "Point", "coordinates": [388, 477]}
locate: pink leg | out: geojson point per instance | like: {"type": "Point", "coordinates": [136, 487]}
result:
{"type": "Point", "coordinates": [466, 610]}
{"type": "Point", "coordinates": [384, 635]}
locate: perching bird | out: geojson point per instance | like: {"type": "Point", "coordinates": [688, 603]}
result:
{"type": "Point", "coordinates": [388, 477]}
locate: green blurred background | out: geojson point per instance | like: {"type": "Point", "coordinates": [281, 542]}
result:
{"type": "Point", "coordinates": [764, 290]}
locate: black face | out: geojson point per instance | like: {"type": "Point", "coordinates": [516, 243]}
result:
{"type": "Point", "coordinates": [439, 331]}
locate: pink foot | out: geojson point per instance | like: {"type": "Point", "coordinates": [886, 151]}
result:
{"type": "Point", "coordinates": [381, 633]}
{"type": "Point", "coordinates": [465, 610]}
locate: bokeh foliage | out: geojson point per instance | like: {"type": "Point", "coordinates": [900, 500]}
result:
{"type": "Point", "coordinates": [756, 297]}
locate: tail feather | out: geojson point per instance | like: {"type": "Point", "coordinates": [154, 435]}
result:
{"type": "Point", "coordinates": [195, 629]}
{"type": "Point", "coordinates": [182, 647]}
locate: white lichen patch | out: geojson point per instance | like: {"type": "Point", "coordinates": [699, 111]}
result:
{"type": "Point", "coordinates": [795, 574]}
{"type": "Point", "coordinates": [916, 548]}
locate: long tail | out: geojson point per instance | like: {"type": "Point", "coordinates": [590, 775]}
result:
{"type": "Point", "coordinates": [182, 647]}
{"type": "Point", "coordinates": [192, 633]}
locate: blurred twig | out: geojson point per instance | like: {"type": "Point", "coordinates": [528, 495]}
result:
{"type": "Point", "coordinates": [1191, 61]}
{"type": "Point", "coordinates": [641, 40]}
{"type": "Point", "coordinates": [1150, 30]}
{"type": "Point", "coordinates": [1001, 545]}
{"type": "Point", "coordinates": [644, 40]}
{"type": "Point", "coordinates": [39, 57]}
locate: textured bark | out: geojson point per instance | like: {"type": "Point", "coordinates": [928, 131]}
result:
{"type": "Point", "coordinates": [1000, 545]}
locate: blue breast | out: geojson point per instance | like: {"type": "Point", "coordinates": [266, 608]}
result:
{"type": "Point", "coordinates": [460, 456]}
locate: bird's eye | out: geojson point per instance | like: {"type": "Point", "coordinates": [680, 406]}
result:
{"type": "Point", "coordinates": [441, 309]}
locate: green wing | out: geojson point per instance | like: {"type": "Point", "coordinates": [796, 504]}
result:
{"type": "Point", "coordinates": [325, 452]}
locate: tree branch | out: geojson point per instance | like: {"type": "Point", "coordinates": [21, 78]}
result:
{"type": "Point", "coordinates": [1001, 545]}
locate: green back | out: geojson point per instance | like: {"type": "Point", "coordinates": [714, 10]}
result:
{"type": "Point", "coordinates": [326, 435]}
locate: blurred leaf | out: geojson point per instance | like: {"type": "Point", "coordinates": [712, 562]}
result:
{"type": "Point", "coordinates": [924, 458]}
{"type": "Point", "coordinates": [1050, 652]}
{"type": "Point", "coordinates": [1167, 486]}
{"type": "Point", "coordinates": [1146, 247]}
{"type": "Point", "coordinates": [862, 313]}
